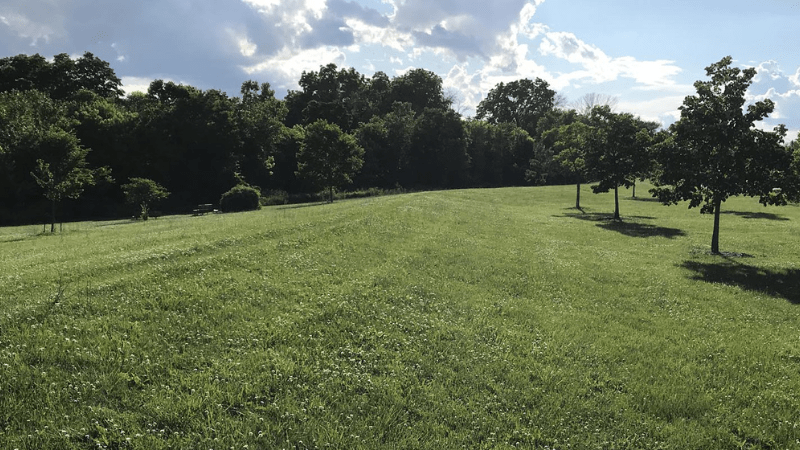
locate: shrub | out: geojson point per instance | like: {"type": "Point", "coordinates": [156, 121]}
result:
{"type": "Point", "coordinates": [275, 198]}
{"type": "Point", "coordinates": [240, 198]}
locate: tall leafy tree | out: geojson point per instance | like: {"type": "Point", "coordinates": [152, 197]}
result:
{"type": "Point", "coordinates": [421, 88]}
{"type": "Point", "coordinates": [522, 103]}
{"type": "Point", "coordinates": [61, 79]}
{"type": "Point", "coordinates": [338, 96]}
{"type": "Point", "coordinates": [259, 125]}
{"type": "Point", "coordinates": [438, 156]}
{"type": "Point", "coordinates": [328, 157]}
{"type": "Point", "coordinates": [387, 143]}
{"type": "Point", "coordinates": [499, 154]}
{"type": "Point", "coordinates": [35, 135]}
{"type": "Point", "coordinates": [715, 150]}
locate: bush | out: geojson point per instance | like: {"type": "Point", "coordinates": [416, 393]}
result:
{"type": "Point", "coordinates": [275, 198]}
{"type": "Point", "coordinates": [240, 198]}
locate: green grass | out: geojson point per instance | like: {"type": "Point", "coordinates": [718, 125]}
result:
{"type": "Point", "coordinates": [460, 319]}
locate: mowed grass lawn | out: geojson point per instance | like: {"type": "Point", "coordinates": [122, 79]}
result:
{"type": "Point", "coordinates": [494, 318]}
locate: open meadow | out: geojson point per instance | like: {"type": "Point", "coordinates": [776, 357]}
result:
{"type": "Point", "coordinates": [496, 318]}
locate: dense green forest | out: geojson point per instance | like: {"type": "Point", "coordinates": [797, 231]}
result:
{"type": "Point", "coordinates": [70, 140]}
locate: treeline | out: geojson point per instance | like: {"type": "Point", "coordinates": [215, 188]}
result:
{"type": "Point", "coordinates": [69, 137]}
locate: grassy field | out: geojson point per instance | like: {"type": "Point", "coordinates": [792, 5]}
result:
{"type": "Point", "coordinates": [461, 319]}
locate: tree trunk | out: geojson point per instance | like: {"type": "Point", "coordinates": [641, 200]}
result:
{"type": "Point", "coordinates": [634, 188]}
{"type": "Point", "coordinates": [331, 193]}
{"type": "Point", "coordinates": [53, 216]}
{"type": "Point", "coordinates": [578, 196]}
{"type": "Point", "coordinates": [616, 203]}
{"type": "Point", "coordinates": [715, 234]}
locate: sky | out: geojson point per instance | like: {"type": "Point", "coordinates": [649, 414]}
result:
{"type": "Point", "coordinates": [645, 53]}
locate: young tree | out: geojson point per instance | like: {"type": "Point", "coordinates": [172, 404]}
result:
{"type": "Point", "coordinates": [65, 174]}
{"type": "Point", "coordinates": [716, 152]}
{"type": "Point", "coordinates": [328, 157]}
{"type": "Point", "coordinates": [571, 143]}
{"type": "Point", "coordinates": [617, 153]}
{"type": "Point", "coordinates": [143, 192]}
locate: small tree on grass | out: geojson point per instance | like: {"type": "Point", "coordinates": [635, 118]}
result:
{"type": "Point", "coordinates": [143, 192]}
{"type": "Point", "coordinates": [716, 152]}
{"type": "Point", "coordinates": [618, 153]}
{"type": "Point", "coordinates": [65, 173]}
{"type": "Point", "coordinates": [328, 157]}
{"type": "Point", "coordinates": [571, 144]}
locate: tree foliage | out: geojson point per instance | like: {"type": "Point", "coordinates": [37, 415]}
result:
{"type": "Point", "coordinates": [571, 143]}
{"type": "Point", "coordinates": [715, 150]}
{"type": "Point", "coordinates": [521, 102]}
{"type": "Point", "coordinates": [143, 193]}
{"type": "Point", "coordinates": [62, 171]}
{"type": "Point", "coordinates": [616, 150]}
{"type": "Point", "coordinates": [328, 157]}
{"type": "Point", "coordinates": [62, 78]}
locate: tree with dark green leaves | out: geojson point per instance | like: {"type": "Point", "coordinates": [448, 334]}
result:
{"type": "Point", "coordinates": [571, 142]}
{"type": "Point", "coordinates": [62, 173]}
{"type": "Point", "coordinates": [421, 88]}
{"type": "Point", "coordinates": [543, 167]}
{"type": "Point", "coordinates": [617, 151]}
{"type": "Point", "coordinates": [499, 154]}
{"type": "Point", "coordinates": [715, 150]}
{"type": "Point", "coordinates": [259, 125]}
{"type": "Point", "coordinates": [41, 151]}
{"type": "Point", "coordinates": [143, 193]}
{"type": "Point", "coordinates": [338, 96]}
{"type": "Point", "coordinates": [61, 79]}
{"type": "Point", "coordinates": [438, 156]}
{"type": "Point", "coordinates": [387, 144]}
{"type": "Point", "coordinates": [328, 157]}
{"type": "Point", "coordinates": [522, 103]}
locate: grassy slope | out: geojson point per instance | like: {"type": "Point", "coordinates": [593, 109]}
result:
{"type": "Point", "coordinates": [480, 318]}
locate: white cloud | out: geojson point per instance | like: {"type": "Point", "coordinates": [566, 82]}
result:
{"type": "Point", "coordinates": [795, 79]}
{"type": "Point", "coordinates": [385, 36]}
{"type": "Point", "coordinates": [25, 28]}
{"type": "Point", "coordinates": [136, 84]}
{"type": "Point", "coordinates": [601, 68]}
{"type": "Point", "coordinates": [767, 69]}
{"type": "Point", "coordinates": [242, 42]}
{"type": "Point", "coordinates": [288, 65]}
{"type": "Point", "coordinates": [661, 109]}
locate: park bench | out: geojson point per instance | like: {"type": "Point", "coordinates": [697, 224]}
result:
{"type": "Point", "coordinates": [203, 208]}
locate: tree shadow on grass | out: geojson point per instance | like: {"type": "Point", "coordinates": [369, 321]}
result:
{"type": "Point", "coordinates": [777, 283]}
{"type": "Point", "coordinates": [755, 215]}
{"type": "Point", "coordinates": [628, 228]}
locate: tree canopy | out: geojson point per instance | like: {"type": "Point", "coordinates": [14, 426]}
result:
{"type": "Point", "coordinates": [715, 151]}
{"type": "Point", "coordinates": [521, 102]}
{"type": "Point", "coordinates": [616, 150]}
{"type": "Point", "coordinates": [328, 157]}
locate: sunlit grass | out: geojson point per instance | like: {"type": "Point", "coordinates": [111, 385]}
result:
{"type": "Point", "coordinates": [479, 319]}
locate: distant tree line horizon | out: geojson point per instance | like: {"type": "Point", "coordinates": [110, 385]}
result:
{"type": "Point", "coordinates": [69, 138]}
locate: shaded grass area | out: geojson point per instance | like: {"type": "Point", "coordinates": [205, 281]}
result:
{"type": "Point", "coordinates": [632, 226]}
{"type": "Point", "coordinates": [783, 283]}
{"type": "Point", "coordinates": [476, 319]}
